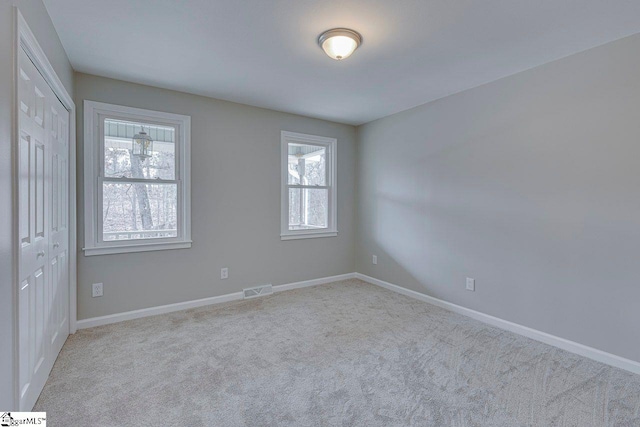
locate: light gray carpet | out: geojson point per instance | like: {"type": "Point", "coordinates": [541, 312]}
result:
{"type": "Point", "coordinates": [342, 354]}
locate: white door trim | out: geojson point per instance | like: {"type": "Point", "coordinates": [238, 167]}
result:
{"type": "Point", "coordinates": [25, 39]}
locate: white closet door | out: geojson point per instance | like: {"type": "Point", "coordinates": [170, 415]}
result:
{"type": "Point", "coordinates": [59, 232]}
{"type": "Point", "coordinates": [43, 320]}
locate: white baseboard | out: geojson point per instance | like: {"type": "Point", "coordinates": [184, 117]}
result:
{"type": "Point", "coordinates": [314, 282]}
{"type": "Point", "coordinates": [564, 344]}
{"type": "Point", "coordinates": [153, 311]}
{"type": "Point", "coordinates": [169, 308]}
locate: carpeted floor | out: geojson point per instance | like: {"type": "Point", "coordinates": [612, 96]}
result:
{"type": "Point", "coordinates": [343, 354]}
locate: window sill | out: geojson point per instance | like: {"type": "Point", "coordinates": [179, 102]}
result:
{"type": "Point", "coordinates": [307, 235]}
{"type": "Point", "coordinates": [140, 247]}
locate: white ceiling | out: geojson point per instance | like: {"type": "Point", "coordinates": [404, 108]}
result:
{"type": "Point", "coordinates": [264, 52]}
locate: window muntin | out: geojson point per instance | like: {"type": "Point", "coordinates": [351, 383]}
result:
{"type": "Point", "coordinates": [134, 203]}
{"type": "Point", "coordinates": [309, 203]}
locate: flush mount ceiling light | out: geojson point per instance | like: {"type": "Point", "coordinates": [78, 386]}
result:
{"type": "Point", "coordinates": [339, 43]}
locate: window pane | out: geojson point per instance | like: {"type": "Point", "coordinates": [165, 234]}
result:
{"type": "Point", "coordinates": [308, 208]}
{"type": "Point", "coordinates": [307, 164]}
{"type": "Point", "coordinates": [120, 160]}
{"type": "Point", "coordinates": [139, 211]}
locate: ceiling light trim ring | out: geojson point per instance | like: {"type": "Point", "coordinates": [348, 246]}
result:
{"type": "Point", "coordinates": [340, 32]}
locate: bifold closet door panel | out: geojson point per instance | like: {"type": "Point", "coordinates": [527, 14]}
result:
{"type": "Point", "coordinates": [43, 321]}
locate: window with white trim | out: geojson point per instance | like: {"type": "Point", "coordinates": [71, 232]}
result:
{"type": "Point", "coordinates": [136, 179]}
{"type": "Point", "coordinates": [309, 202]}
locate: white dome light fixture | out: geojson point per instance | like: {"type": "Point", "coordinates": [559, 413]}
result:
{"type": "Point", "coordinates": [339, 43]}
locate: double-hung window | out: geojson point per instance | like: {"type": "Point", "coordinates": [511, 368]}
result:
{"type": "Point", "coordinates": [136, 179]}
{"type": "Point", "coordinates": [309, 202]}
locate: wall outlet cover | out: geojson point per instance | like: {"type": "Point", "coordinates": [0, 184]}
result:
{"type": "Point", "coordinates": [224, 273]}
{"type": "Point", "coordinates": [374, 259]}
{"type": "Point", "coordinates": [471, 284]}
{"type": "Point", "coordinates": [96, 290]}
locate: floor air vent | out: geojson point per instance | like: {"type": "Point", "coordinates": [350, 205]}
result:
{"type": "Point", "coordinates": [258, 291]}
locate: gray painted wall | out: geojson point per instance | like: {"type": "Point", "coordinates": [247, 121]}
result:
{"type": "Point", "coordinates": [530, 185]}
{"type": "Point", "coordinates": [38, 19]}
{"type": "Point", "coordinates": [235, 178]}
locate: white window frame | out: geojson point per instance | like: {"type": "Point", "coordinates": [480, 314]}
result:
{"type": "Point", "coordinates": [330, 145]}
{"type": "Point", "coordinates": [94, 115]}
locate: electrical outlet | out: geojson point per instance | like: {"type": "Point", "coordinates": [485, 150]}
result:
{"type": "Point", "coordinates": [96, 290]}
{"type": "Point", "coordinates": [471, 284]}
{"type": "Point", "coordinates": [374, 259]}
{"type": "Point", "coordinates": [224, 273]}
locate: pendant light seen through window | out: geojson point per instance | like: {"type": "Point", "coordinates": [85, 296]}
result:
{"type": "Point", "coordinates": [142, 145]}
